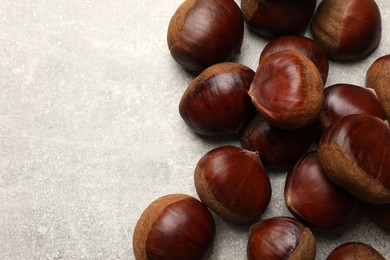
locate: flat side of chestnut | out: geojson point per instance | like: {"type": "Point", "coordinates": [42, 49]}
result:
{"type": "Point", "coordinates": [378, 78]}
{"type": "Point", "coordinates": [287, 90]}
{"type": "Point", "coordinates": [353, 161]}
{"type": "Point", "coordinates": [233, 183]}
{"type": "Point", "coordinates": [191, 33]}
{"type": "Point", "coordinates": [356, 251]}
{"type": "Point", "coordinates": [216, 102]}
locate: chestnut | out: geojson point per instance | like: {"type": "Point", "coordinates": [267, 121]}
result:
{"type": "Point", "coordinates": [347, 29]}
{"type": "Point", "coordinates": [287, 90]}
{"type": "Point", "coordinates": [346, 99]}
{"type": "Point", "coordinates": [281, 238]}
{"type": "Point", "coordinates": [313, 198]}
{"type": "Point", "coordinates": [271, 18]}
{"type": "Point", "coordinates": [303, 45]}
{"type": "Point", "coordinates": [276, 147]}
{"type": "Point", "coordinates": [175, 226]}
{"type": "Point", "coordinates": [379, 214]}
{"type": "Point", "coordinates": [378, 78]}
{"type": "Point", "coordinates": [216, 102]}
{"type": "Point", "coordinates": [354, 154]}
{"type": "Point", "coordinates": [204, 32]}
{"type": "Point", "coordinates": [355, 251]}
{"type": "Point", "coordinates": [233, 183]}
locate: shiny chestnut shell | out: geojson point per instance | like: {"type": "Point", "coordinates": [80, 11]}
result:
{"type": "Point", "coordinates": [303, 45]}
{"type": "Point", "coordinates": [378, 78]}
{"type": "Point", "coordinates": [271, 18]}
{"type": "Point", "coordinates": [281, 238]}
{"type": "Point", "coordinates": [276, 147]}
{"type": "Point", "coordinates": [354, 153]}
{"type": "Point", "coordinates": [347, 99]}
{"type": "Point", "coordinates": [347, 29]}
{"type": "Point", "coordinates": [204, 32]}
{"type": "Point", "coordinates": [355, 251]}
{"type": "Point", "coordinates": [313, 198]}
{"type": "Point", "coordinates": [175, 226]}
{"type": "Point", "coordinates": [216, 102]}
{"type": "Point", "coordinates": [287, 90]}
{"type": "Point", "coordinates": [233, 183]}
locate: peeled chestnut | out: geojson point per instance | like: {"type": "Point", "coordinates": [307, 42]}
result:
{"type": "Point", "coordinates": [204, 32]}
{"type": "Point", "coordinates": [175, 226]}
{"type": "Point", "coordinates": [281, 238]}
{"type": "Point", "coordinates": [276, 147]}
{"type": "Point", "coordinates": [347, 29]}
{"type": "Point", "coordinates": [346, 99]}
{"type": "Point", "coordinates": [287, 90]}
{"type": "Point", "coordinates": [303, 45]}
{"type": "Point", "coordinates": [216, 102]}
{"type": "Point", "coordinates": [313, 198]}
{"type": "Point", "coordinates": [355, 251]}
{"type": "Point", "coordinates": [232, 182]}
{"type": "Point", "coordinates": [271, 18]}
{"type": "Point", "coordinates": [354, 154]}
{"type": "Point", "coordinates": [379, 214]}
{"type": "Point", "coordinates": [378, 78]}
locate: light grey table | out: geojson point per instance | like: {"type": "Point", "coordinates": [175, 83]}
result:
{"type": "Point", "coordinates": [90, 132]}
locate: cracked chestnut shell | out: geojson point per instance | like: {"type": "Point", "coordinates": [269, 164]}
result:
{"type": "Point", "coordinates": [175, 226]}
{"type": "Point", "coordinates": [204, 32]}
{"type": "Point", "coordinates": [313, 198]}
{"type": "Point", "coordinates": [303, 45]}
{"type": "Point", "coordinates": [216, 102]}
{"type": "Point", "coordinates": [378, 78]}
{"type": "Point", "coordinates": [347, 29]}
{"type": "Point", "coordinates": [281, 238]}
{"type": "Point", "coordinates": [354, 152]}
{"type": "Point", "coordinates": [276, 147]}
{"type": "Point", "coordinates": [232, 182]}
{"type": "Point", "coordinates": [287, 90]}
{"type": "Point", "coordinates": [347, 99]}
{"type": "Point", "coordinates": [271, 18]}
{"type": "Point", "coordinates": [355, 251]}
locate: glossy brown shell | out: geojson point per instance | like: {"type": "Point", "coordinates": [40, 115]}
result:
{"type": "Point", "coordinates": [355, 251]}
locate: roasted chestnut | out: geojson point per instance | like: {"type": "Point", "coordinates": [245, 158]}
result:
{"type": "Point", "coordinates": [175, 226]}
{"type": "Point", "coordinates": [346, 99]}
{"type": "Point", "coordinates": [276, 147]}
{"type": "Point", "coordinates": [354, 154]}
{"type": "Point", "coordinates": [303, 45]}
{"type": "Point", "coordinates": [379, 214]}
{"type": "Point", "coordinates": [287, 90]}
{"type": "Point", "coordinates": [216, 102]}
{"type": "Point", "coordinates": [281, 238]}
{"type": "Point", "coordinates": [378, 78]}
{"type": "Point", "coordinates": [233, 183]}
{"type": "Point", "coordinates": [355, 251]}
{"type": "Point", "coordinates": [204, 32]}
{"type": "Point", "coordinates": [313, 198]}
{"type": "Point", "coordinates": [271, 18]}
{"type": "Point", "coordinates": [347, 29]}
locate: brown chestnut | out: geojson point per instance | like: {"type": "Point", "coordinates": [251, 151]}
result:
{"type": "Point", "coordinates": [232, 182]}
{"type": "Point", "coordinates": [276, 147]}
{"type": "Point", "coordinates": [287, 90]}
{"type": "Point", "coordinates": [347, 29]}
{"type": "Point", "coordinates": [175, 226]}
{"type": "Point", "coordinates": [271, 18]}
{"type": "Point", "coordinates": [303, 45]}
{"type": "Point", "coordinates": [313, 198]}
{"type": "Point", "coordinates": [281, 238]}
{"type": "Point", "coordinates": [204, 32]}
{"type": "Point", "coordinates": [355, 251]}
{"type": "Point", "coordinates": [216, 102]}
{"type": "Point", "coordinates": [354, 153]}
{"type": "Point", "coordinates": [378, 79]}
{"type": "Point", "coordinates": [379, 214]}
{"type": "Point", "coordinates": [346, 99]}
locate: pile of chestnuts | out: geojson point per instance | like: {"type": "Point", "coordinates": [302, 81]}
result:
{"type": "Point", "coordinates": [334, 140]}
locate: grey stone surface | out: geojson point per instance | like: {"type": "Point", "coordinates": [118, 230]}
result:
{"type": "Point", "coordinates": [90, 132]}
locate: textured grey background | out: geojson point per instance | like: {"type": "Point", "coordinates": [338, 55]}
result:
{"type": "Point", "coordinates": [90, 132]}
